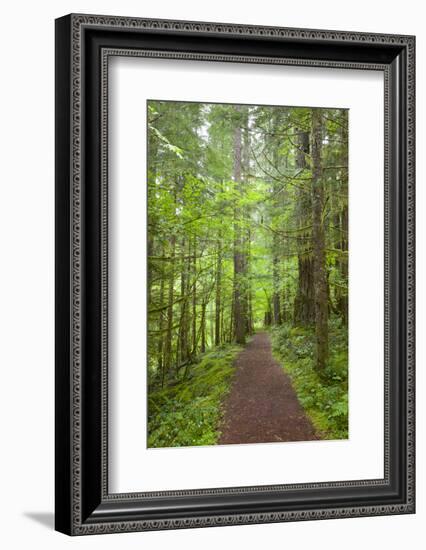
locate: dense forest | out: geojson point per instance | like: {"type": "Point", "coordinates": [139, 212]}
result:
{"type": "Point", "coordinates": [247, 231]}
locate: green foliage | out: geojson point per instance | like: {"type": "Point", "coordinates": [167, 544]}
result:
{"type": "Point", "coordinates": [214, 230]}
{"type": "Point", "coordinates": [189, 412]}
{"type": "Point", "coordinates": [324, 398]}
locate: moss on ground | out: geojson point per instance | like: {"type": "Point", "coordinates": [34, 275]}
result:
{"type": "Point", "coordinates": [189, 412]}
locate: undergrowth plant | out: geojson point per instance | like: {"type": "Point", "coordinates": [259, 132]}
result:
{"type": "Point", "coordinates": [324, 396]}
{"type": "Point", "coordinates": [189, 412]}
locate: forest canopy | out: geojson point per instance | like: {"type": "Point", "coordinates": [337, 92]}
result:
{"type": "Point", "coordinates": [247, 230]}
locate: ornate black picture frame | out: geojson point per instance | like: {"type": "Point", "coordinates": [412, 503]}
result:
{"type": "Point", "coordinates": [84, 44]}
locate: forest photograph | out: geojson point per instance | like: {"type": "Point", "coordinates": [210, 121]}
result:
{"type": "Point", "coordinates": [247, 264]}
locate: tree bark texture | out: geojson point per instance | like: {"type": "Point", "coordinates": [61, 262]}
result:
{"type": "Point", "coordinates": [239, 263]}
{"type": "Point", "coordinates": [318, 239]}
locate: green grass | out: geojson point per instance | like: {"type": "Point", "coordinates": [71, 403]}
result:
{"type": "Point", "coordinates": [325, 397]}
{"type": "Point", "coordinates": [189, 413]}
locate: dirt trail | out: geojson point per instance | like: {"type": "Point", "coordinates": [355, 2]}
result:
{"type": "Point", "coordinates": [262, 405]}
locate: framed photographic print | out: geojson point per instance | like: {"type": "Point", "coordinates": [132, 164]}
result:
{"type": "Point", "coordinates": [234, 274]}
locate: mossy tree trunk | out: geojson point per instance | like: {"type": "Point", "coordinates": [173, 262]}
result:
{"type": "Point", "coordinates": [318, 241]}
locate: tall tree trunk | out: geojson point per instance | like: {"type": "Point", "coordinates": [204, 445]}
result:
{"type": "Point", "coordinates": [276, 252]}
{"type": "Point", "coordinates": [284, 298]}
{"type": "Point", "coordinates": [218, 298]}
{"type": "Point", "coordinates": [211, 321]}
{"type": "Point", "coordinates": [245, 215]}
{"type": "Point", "coordinates": [304, 302]}
{"type": "Point", "coordinates": [203, 325]}
{"type": "Point", "coordinates": [342, 298]}
{"type": "Point", "coordinates": [231, 318]}
{"type": "Point", "coordinates": [276, 308]}
{"type": "Point", "coordinates": [183, 347]}
{"type": "Point", "coordinates": [194, 299]}
{"type": "Point", "coordinates": [169, 335]}
{"type": "Point", "coordinates": [249, 313]}
{"type": "Point", "coordinates": [152, 175]}
{"type": "Point", "coordinates": [318, 237]}
{"type": "Point", "coordinates": [222, 325]}
{"type": "Point", "coordinates": [343, 263]}
{"type": "Point", "coordinates": [239, 264]}
{"type": "Point", "coordinates": [160, 343]}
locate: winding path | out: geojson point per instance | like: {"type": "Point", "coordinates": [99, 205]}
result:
{"type": "Point", "coordinates": [262, 406]}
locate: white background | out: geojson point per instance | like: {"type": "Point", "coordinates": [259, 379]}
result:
{"type": "Point", "coordinates": [26, 301]}
{"type": "Point", "coordinates": [132, 81]}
